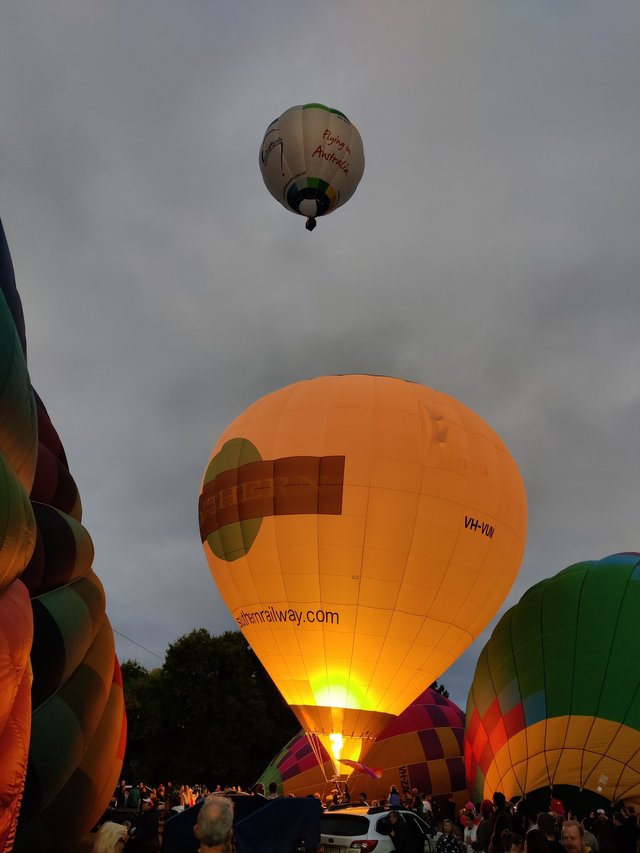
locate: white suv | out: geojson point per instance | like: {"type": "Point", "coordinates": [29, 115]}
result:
{"type": "Point", "coordinates": [360, 829]}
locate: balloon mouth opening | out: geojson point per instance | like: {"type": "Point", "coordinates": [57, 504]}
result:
{"type": "Point", "coordinates": [311, 201]}
{"type": "Point", "coordinates": [308, 207]}
{"type": "Point", "coordinates": [344, 735]}
{"type": "Point", "coordinates": [344, 751]}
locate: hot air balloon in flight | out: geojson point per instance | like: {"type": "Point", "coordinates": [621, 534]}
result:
{"type": "Point", "coordinates": [422, 748]}
{"type": "Point", "coordinates": [311, 160]}
{"type": "Point", "coordinates": [555, 699]}
{"type": "Point", "coordinates": [362, 530]}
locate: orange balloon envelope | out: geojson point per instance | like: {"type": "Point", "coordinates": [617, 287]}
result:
{"type": "Point", "coordinates": [16, 634]}
{"type": "Point", "coordinates": [363, 530]}
{"type": "Point", "coordinates": [62, 716]}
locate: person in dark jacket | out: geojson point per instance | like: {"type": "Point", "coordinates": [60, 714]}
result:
{"type": "Point", "coordinates": [501, 809]}
{"type": "Point", "coordinates": [485, 828]}
{"type": "Point", "coordinates": [625, 832]}
{"type": "Point", "coordinates": [547, 825]}
{"type": "Point", "coordinates": [399, 833]}
{"type": "Point", "coordinates": [144, 837]}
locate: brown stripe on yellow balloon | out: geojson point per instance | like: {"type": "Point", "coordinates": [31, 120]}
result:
{"type": "Point", "coordinates": [240, 490]}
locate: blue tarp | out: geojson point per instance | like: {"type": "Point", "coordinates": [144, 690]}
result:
{"type": "Point", "coordinates": [260, 826]}
{"type": "Point", "coordinates": [280, 827]}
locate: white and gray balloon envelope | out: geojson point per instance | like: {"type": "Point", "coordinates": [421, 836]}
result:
{"type": "Point", "coordinates": [311, 160]}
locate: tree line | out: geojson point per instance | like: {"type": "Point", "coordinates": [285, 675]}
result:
{"type": "Point", "coordinates": [209, 714]}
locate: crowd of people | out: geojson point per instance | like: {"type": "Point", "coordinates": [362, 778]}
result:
{"type": "Point", "coordinates": [142, 810]}
{"type": "Point", "coordinates": [491, 826]}
{"type": "Point", "coordinates": [498, 826]}
{"type": "Point", "coordinates": [213, 828]}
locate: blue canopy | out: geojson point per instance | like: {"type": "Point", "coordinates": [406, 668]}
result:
{"type": "Point", "coordinates": [260, 826]}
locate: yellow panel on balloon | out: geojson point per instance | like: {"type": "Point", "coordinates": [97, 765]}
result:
{"type": "Point", "coordinates": [520, 777]}
{"type": "Point", "coordinates": [386, 508]}
{"type": "Point", "coordinates": [625, 742]}
{"type": "Point", "coordinates": [628, 784]}
{"type": "Point", "coordinates": [536, 735]}
{"type": "Point", "coordinates": [602, 735]}
{"type": "Point", "coordinates": [439, 773]}
{"type": "Point", "coordinates": [571, 732]}
{"type": "Point", "coordinates": [502, 762]}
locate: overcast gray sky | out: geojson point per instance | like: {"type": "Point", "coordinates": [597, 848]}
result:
{"type": "Point", "coordinates": [491, 251]}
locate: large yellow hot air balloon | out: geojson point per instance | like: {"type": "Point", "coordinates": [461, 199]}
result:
{"type": "Point", "coordinates": [363, 530]}
{"type": "Point", "coordinates": [311, 160]}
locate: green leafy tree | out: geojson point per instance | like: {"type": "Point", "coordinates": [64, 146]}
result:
{"type": "Point", "coordinates": [144, 723]}
{"type": "Point", "coordinates": [210, 713]}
